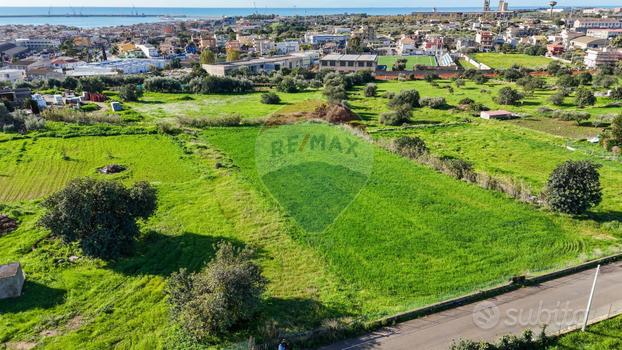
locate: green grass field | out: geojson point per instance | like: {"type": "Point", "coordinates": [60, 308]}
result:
{"type": "Point", "coordinates": [505, 61]}
{"type": "Point", "coordinates": [603, 335]}
{"type": "Point", "coordinates": [456, 236]}
{"type": "Point", "coordinates": [411, 61]}
{"type": "Point", "coordinates": [159, 105]}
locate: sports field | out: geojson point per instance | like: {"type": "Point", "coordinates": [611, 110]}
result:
{"type": "Point", "coordinates": [411, 61]}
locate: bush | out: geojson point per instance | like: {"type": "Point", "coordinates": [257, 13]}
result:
{"type": "Point", "coordinates": [571, 116]}
{"type": "Point", "coordinates": [370, 90]}
{"type": "Point", "coordinates": [270, 98]}
{"type": "Point", "coordinates": [574, 187]}
{"type": "Point", "coordinates": [335, 91]}
{"type": "Point", "coordinates": [388, 95]}
{"type": "Point", "coordinates": [433, 102]}
{"type": "Point", "coordinates": [410, 146]}
{"type": "Point", "coordinates": [99, 214]}
{"type": "Point", "coordinates": [509, 342]}
{"type": "Point", "coordinates": [159, 84]}
{"type": "Point", "coordinates": [584, 97]}
{"type": "Point", "coordinates": [401, 115]}
{"type": "Point", "coordinates": [408, 98]}
{"type": "Point", "coordinates": [557, 99]}
{"type": "Point", "coordinates": [204, 122]}
{"type": "Point", "coordinates": [226, 292]}
{"type": "Point", "coordinates": [287, 84]}
{"type": "Point", "coordinates": [616, 93]}
{"type": "Point", "coordinates": [219, 85]}
{"type": "Point", "coordinates": [130, 92]}
{"type": "Point", "coordinates": [89, 107]}
{"type": "Point", "coordinates": [508, 96]}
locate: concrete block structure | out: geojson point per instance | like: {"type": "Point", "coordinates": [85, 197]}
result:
{"type": "Point", "coordinates": [11, 280]}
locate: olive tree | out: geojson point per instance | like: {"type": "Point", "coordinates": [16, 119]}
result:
{"type": "Point", "coordinates": [574, 187]}
{"type": "Point", "coordinates": [99, 214]}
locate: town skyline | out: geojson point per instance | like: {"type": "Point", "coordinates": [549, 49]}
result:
{"type": "Point", "coordinates": [288, 4]}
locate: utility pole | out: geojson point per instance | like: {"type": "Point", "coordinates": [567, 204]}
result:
{"type": "Point", "coordinates": [589, 302]}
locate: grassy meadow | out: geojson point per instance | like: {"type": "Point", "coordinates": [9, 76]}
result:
{"type": "Point", "coordinates": [506, 60]}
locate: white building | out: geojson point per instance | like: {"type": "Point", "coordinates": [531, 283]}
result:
{"type": "Point", "coordinates": [286, 47]}
{"type": "Point", "coordinates": [148, 50]}
{"type": "Point", "coordinates": [38, 43]}
{"type": "Point", "coordinates": [12, 75]}
{"type": "Point", "coordinates": [127, 66]}
{"type": "Point", "coordinates": [406, 46]}
{"type": "Point", "coordinates": [606, 56]}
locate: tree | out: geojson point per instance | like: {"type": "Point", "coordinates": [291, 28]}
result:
{"type": "Point", "coordinates": [553, 67]}
{"type": "Point", "coordinates": [233, 55]}
{"type": "Point", "coordinates": [574, 187]}
{"type": "Point", "coordinates": [270, 98]}
{"type": "Point", "coordinates": [99, 214]}
{"type": "Point", "coordinates": [400, 115]}
{"type": "Point", "coordinates": [584, 78]}
{"type": "Point", "coordinates": [567, 81]}
{"type": "Point", "coordinates": [207, 57]}
{"type": "Point", "coordinates": [557, 99]}
{"type": "Point", "coordinates": [508, 96]}
{"type": "Point", "coordinates": [405, 98]}
{"type": "Point", "coordinates": [92, 84]}
{"type": "Point", "coordinates": [287, 84]}
{"type": "Point", "coordinates": [222, 294]}
{"type": "Point", "coordinates": [584, 97]}
{"type": "Point", "coordinates": [370, 90]}
{"type": "Point", "coordinates": [70, 83]}
{"type": "Point", "coordinates": [616, 93]}
{"type": "Point", "coordinates": [130, 92]}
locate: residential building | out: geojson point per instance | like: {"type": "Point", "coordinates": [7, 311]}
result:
{"type": "Point", "coordinates": [583, 24]}
{"type": "Point", "coordinates": [12, 75]}
{"type": "Point", "coordinates": [148, 50]}
{"type": "Point", "coordinates": [588, 42]}
{"type": "Point", "coordinates": [259, 65]}
{"type": "Point", "coordinates": [349, 63]}
{"type": "Point", "coordinates": [287, 47]}
{"type": "Point", "coordinates": [113, 67]}
{"type": "Point", "coordinates": [604, 33]}
{"type": "Point", "coordinates": [406, 46]}
{"type": "Point", "coordinates": [606, 56]}
{"type": "Point", "coordinates": [38, 44]}
{"type": "Point", "coordinates": [484, 39]}
{"type": "Point", "coordinates": [322, 38]}
{"type": "Point", "coordinates": [555, 49]}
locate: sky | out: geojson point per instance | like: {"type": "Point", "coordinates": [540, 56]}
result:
{"type": "Point", "coordinates": [297, 3]}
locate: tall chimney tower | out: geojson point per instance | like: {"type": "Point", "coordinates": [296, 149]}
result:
{"type": "Point", "coordinates": [486, 5]}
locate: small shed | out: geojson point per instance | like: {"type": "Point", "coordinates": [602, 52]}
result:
{"type": "Point", "coordinates": [500, 114]}
{"type": "Point", "coordinates": [11, 280]}
{"type": "Point", "coordinates": [116, 106]}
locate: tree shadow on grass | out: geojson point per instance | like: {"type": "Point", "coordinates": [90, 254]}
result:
{"type": "Point", "coordinates": [160, 254]}
{"type": "Point", "coordinates": [34, 296]}
{"type": "Point", "coordinates": [605, 216]}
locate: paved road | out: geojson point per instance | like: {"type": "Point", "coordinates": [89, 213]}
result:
{"type": "Point", "coordinates": [559, 303]}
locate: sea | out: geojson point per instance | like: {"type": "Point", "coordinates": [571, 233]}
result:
{"type": "Point", "coordinates": [70, 16]}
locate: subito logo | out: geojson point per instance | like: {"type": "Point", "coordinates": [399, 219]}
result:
{"type": "Point", "coordinates": [486, 315]}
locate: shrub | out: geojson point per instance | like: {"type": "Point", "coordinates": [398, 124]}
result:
{"type": "Point", "coordinates": [219, 85]}
{"type": "Point", "coordinates": [388, 95]}
{"type": "Point", "coordinates": [508, 96]}
{"type": "Point", "coordinates": [584, 97]}
{"type": "Point", "coordinates": [371, 90]}
{"type": "Point", "coordinates": [168, 127]}
{"type": "Point", "coordinates": [571, 116]}
{"type": "Point", "coordinates": [616, 130]}
{"type": "Point", "coordinates": [401, 115]}
{"type": "Point", "coordinates": [408, 98]}
{"type": "Point", "coordinates": [270, 98]}
{"type": "Point", "coordinates": [459, 82]}
{"type": "Point", "coordinates": [99, 214]}
{"type": "Point", "coordinates": [335, 91]}
{"type": "Point", "coordinates": [616, 93]}
{"type": "Point", "coordinates": [203, 122]}
{"type": "Point", "coordinates": [410, 146]}
{"type": "Point", "coordinates": [458, 168]}
{"type": "Point", "coordinates": [159, 84]}
{"type": "Point", "coordinates": [220, 296]}
{"type": "Point", "coordinates": [567, 81]}
{"type": "Point", "coordinates": [130, 92]}
{"type": "Point", "coordinates": [433, 102]}
{"type": "Point", "coordinates": [287, 84]}
{"type": "Point", "coordinates": [574, 187]}
{"type": "Point", "coordinates": [557, 99]}
{"type": "Point", "coordinates": [509, 342]}
{"type": "Point", "coordinates": [69, 115]}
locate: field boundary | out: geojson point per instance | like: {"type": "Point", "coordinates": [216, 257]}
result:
{"type": "Point", "coordinates": [322, 336]}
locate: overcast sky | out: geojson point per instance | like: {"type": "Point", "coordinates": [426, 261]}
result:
{"type": "Point", "coordinates": [297, 3]}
